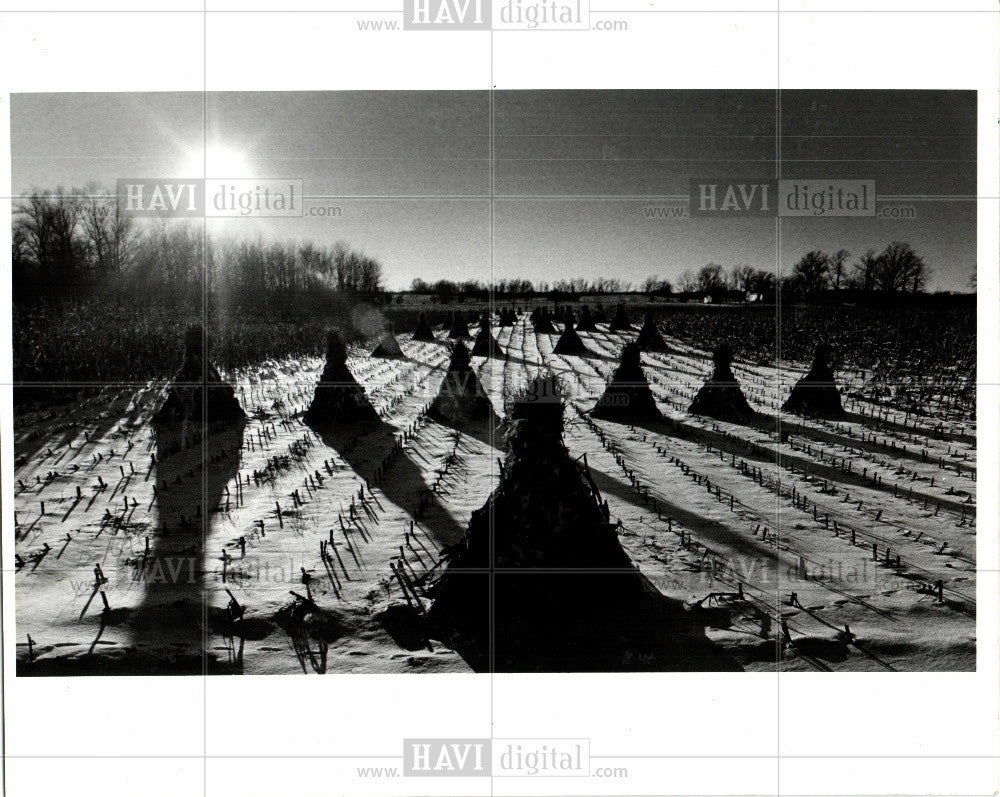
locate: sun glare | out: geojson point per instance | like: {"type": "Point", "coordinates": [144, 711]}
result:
{"type": "Point", "coordinates": [218, 161]}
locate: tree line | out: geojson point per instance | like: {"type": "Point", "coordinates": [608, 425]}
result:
{"type": "Point", "coordinates": [896, 269]}
{"type": "Point", "coordinates": [525, 287]}
{"type": "Point", "coordinates": [73, 241]}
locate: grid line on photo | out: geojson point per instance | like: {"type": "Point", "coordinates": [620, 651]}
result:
{"type": "Point", "coordinates": [917, 420]}
{"type": "Point", "coordinates": [491, 519]}
{"type": "Point", "coordinates": [675, 199]}
{"type": "Point", "coordinates": [651, 757]}
{"type": "Point", "coordinates": [205, 403]}
{"type": "Point", "coordinates": [540, 572]}
{"type": "Point", "coordinates": [626, 11]}
{"type": "Point", "coordinates": [778, 358]}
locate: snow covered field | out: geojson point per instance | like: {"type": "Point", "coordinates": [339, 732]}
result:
{"type": "Point", "coordinates": [846, 545]}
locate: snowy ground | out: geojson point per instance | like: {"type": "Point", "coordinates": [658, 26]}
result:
{"type": "Point", "coordinates": [778, 537]}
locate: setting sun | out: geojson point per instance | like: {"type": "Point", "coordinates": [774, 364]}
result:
{"type": "Point", "coordinates": [217, 161]}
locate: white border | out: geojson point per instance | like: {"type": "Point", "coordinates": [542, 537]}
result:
{"type": "Point", "coordinates": [729, 716]}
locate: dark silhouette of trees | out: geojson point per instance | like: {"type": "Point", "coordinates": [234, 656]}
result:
{"type": "Point", "coordinates": [752, 280]}
{"type": "Point", "coordinates": [711, 279]}
{"type": "Point", "coordinates": [901, 269]}
{"type": "Point", "coordinates": [20, 257]}
{"type": "Point", "coordinates": [865, 270]}
{"type": "Point", "coordinates": [51, 246]}
{"type": "Point", "coordinates": [110, 234]}
{"type": "Point", "coordinates": [71, 241]}
{"type": "Point", "coordinates": [168, 261]}
{"type": "Point", "coordinates": [356, 272]}
{"type": "Point", "coordinates": [838, 264]}
{"type": "Point", "coordinates": [66, 242]}
{"type": "Point", "coordinates": [762, 282]}
{"type": "Point", "coordinates": [811, 274]}
{"type": "Point", "coordinates": [896, 269]}
{"type": "Point", "coordinates": [655, 286]}
{"type": "Point", "coordinates": [740, 277]}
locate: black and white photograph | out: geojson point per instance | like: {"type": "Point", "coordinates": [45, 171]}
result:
{"type": "Point", "coordinates": [532, 390]}
{"type": "Point", "coordinates": [545, 431]}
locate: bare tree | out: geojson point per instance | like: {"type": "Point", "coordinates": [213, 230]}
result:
{"type": "Point", "coordinates": [710, 278]}
{"type": "Point", "coordinates": [866, 270]}
{"type": "Point", "coordinates": [110, 233]}
{"type": "Point", "coordinates": [172, 255]}
{"type": "Point", "coordinates": [340, 256]}
{"type": "Point", "coordinates": [838, 263]}
{"type": "Point", "coordinates": [370, 276]}
{"type": "Point", "coordinates": [812, 273]}
{"type": "Point", "coordinates": [655, 285]}
{"type": "Point", "coordinates": [761, 282]}
{"type": "Point", "coordinates": [687, 282]}
{"type": "Point", "coordinates": [49, 230]}
{"type": "Point", "coordinates": [20, 254]}
{"type": "Point", "coordinates": [901, 269]}
{"type": "Point", "coordinates": [740, 277]}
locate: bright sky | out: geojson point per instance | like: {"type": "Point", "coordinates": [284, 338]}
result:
{"type": "Point", "coordinates": [565, 163]}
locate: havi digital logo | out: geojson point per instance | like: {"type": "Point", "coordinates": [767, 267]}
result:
{"type": "Point", "coordinates": [447, 14]}
{"type": "Point", "coordinates": [440, 757]}
{"type": "Point", "coordinates": [496, 14]}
